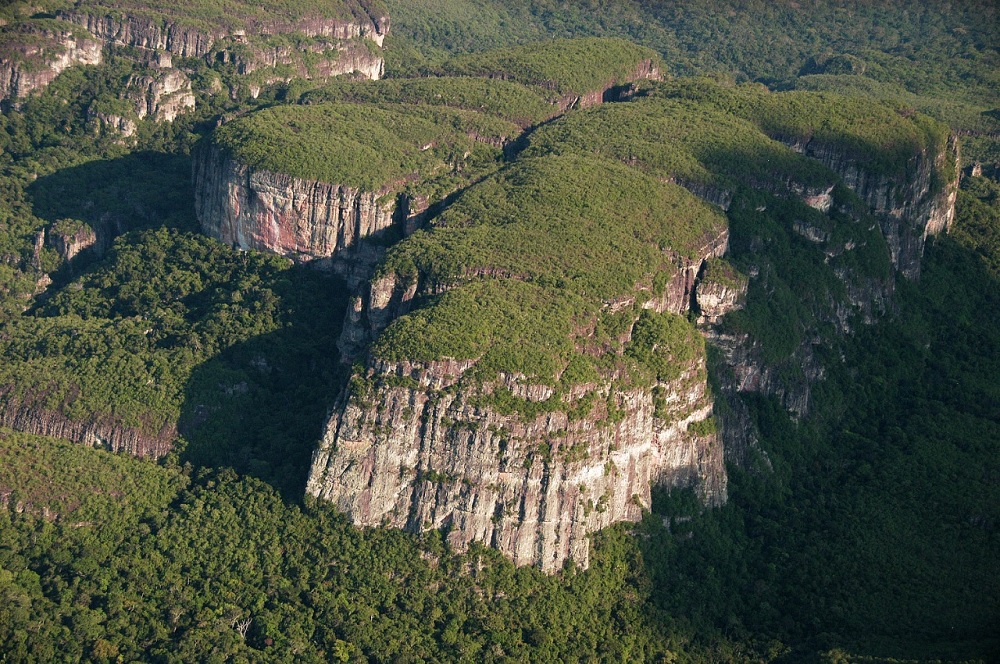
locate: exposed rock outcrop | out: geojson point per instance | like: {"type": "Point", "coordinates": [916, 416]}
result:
{"type": "Point", "coordinates": [420, 445]}
{"type": "Point", "coordinates": [161, 95]}
{"type": "Point", "coordinates": [105, 432]}
{"type": "Point", "coordinates": [323, 58]}
{"type": "Point", "coordinates": [194, 42]}
{"type": "Point", "coordinates": [71, 239]}
{"type": "Point", "coordinates": [301, 219]}
{"type": "Point", "coordinates": [910, 207]}
{"type": "Point", "coordinates": [33, 56]}
{"type": "Point", "coordinates": [422, 454]}
{"type": "Point", "coordinates": [612, 90]}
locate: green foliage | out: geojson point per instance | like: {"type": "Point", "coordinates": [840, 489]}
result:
{"type": "Point", "coordinates": [504, 99]}
{"type": "Point", "coordinates": [664, 344]}
{"type": "Point", "coordinates": [867, 528]}
{"type": "Point", "coordinates": [563, 66]}
{"type": "Point", "coordinates": [977, 223]}
{"type": "Point", "coordinates": [505, 324]}
{"type": "Point", "coordinates": [214, 15]}
{"type": "Point", "coordinates": [555, 237]}
{"type": "Point", "coordinates": [881, 139]}
{"type": "Point", "coordinates": [722, 272]}
{"type": "Point", "coordinates": [173, 326]}
{"type": "Point", "coordinates": [151, 584]}
{"type": "Point", "coordinates": [591, 227]}
{"type": "Point", "coordinates": [693, 141]}
{"type": "Point", "coordinates": [58, 480]}
{"type": "Point", "coordinates": [367, 147]}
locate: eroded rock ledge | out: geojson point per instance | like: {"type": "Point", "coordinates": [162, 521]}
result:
{"type": "Point", "coordinates": [302, 219]}
{"type": "Point", "coordinates": [426, 453]}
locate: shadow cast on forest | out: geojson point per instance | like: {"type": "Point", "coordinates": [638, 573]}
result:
{"type": "Point", "coordinates": [259, 406]}
{"type": "Point", "coordinates": [114, 196]}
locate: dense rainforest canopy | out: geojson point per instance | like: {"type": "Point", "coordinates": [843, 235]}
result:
{"type": "Point", "coordinates": [864, 531]}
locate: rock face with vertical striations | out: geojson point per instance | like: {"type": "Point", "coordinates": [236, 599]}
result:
{"type": "Point", "coordinates": [308, 182]}
{"type": "Point", "coordinates": [422, 454]}
{"type": "Point", "coordinates": [529, 465]}
{"type": "Point", "coordinates": [33, 53]}
{"type": "Point", "coordinates": [172, 31]}
{"type": "Point", "coordinates": [911, 207]}
{"type": "Point", "coordinates": [304, 219]}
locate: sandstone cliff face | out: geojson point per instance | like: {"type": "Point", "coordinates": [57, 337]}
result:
{"type": "Point", "coordinates": [162, 95]}
{"type": "Point", "coordinates": [71, 242]}
{"type": "Point", "coordinates": [103, 433]}
{"type": "Point", "coordinates": [320, 60]}
{"type": "Point", "coordinates": [611, 90]}
{"type": "Point", "coordinates": [189, 42]}
{"type": "Point", "coordinates": [416, 445]}
{"type": "Point", "coordinates": [301, 219]}
{"type": "Point", "coordinates": [43, 55]}
{"type": "Point", "coordinates": [388, 297]}
{"type": "Point", "coordinates": [910, 208]}
{"type": "Point", "coordinates": [424, 454]}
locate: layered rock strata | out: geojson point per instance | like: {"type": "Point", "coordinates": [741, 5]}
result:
{"type": "Point", "coordinates": [34, 56]}
{"type": "Point", "coordinates": [105, 433]}
{"type": "Point", "coordinates": [426, 453]}
{"type": "Point", "coordinates": [194, 42]}
{"type": "Point", "coordinates": [910, 208]}
{"type": "Point", "coordinates": [423, 445]}
{"type": "Point", "coordinates": [302, 219]}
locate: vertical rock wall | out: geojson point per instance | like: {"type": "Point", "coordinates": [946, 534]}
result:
{"type": "Point", "coordinates": [417, 453]}
{"type": "Point", "coordinates": [301, 219]}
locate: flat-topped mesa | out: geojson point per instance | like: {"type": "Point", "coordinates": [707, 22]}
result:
{"type": "Point", "coordinates": [308, 182]}
{"type": "Point", "coordinates": [302, 219]}
{"type": "Point", "coordinates": [575, 73]}
{"type": "Point", "coordinates": [33, 53]}
{"type": "Point", "coordinates": [550, 384]}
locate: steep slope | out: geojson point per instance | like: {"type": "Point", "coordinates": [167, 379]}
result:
{"type": "Point", "coordinates": [550, 383]}
{"type": "Point", "coordinates": [33, 53]}
{"type": "Point", "coordinates": [310, 181]}
{"type": "Point", "coordinates": [475, 412]}
{"type": "Point", "coordinates": [261, 43]}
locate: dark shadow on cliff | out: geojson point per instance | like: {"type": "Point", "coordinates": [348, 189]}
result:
{"type": "Point", "coordinates": [259, 406]}
{"type": "Point", "coordinates": [870, 526]}
{"type": "Point", "coordinates": [113, 196]}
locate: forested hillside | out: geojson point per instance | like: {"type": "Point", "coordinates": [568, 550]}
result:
{"type": "Point", "coordinates": [860, 485]}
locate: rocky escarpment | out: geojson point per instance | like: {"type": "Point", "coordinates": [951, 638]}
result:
{"type": "Point", "coordinates": [317, 59]}
{"type": "Point", "coordinates": [106, 432]}
{"type": "Point", "coordinates": [303, 219]}
{"type": "Point", "coordinates": [32, 55]}
{"type": "Point", "coordinates": [156, 94]}
{"type": "Point", "coordinates": [426, 453]}
{"type": "Point", "coordinates": [525, 468]}
{"type": "Point", "coordinates": [388, 296]}
{"type": "Point", "coordinates": [612, 89]}
{"type": "Point", "coordinates": [70, 238]}
{"type": "Point", "coordinates": [184, 40]}
{"type": "Point", "coordinates": [910, 207]}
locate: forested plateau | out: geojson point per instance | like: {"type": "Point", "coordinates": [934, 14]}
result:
{"type": "Point", "coordinates": [431, 330]}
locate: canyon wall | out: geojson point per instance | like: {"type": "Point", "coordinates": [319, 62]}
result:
{"type": "Point", "coordinates": [418, 451]}
{"type": "Point", "coordinates": [302, 219]}
{"type": "Point", "coordinates": [31, 63]}
{"type": "Point", "coordinates": [103, 432]}
{"type": "Point", "coordinates": [424, 445]}
{"type": "Point", "coordinates": [149, 32]}
{"type": "Point", "coordinates": [911, 207]}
